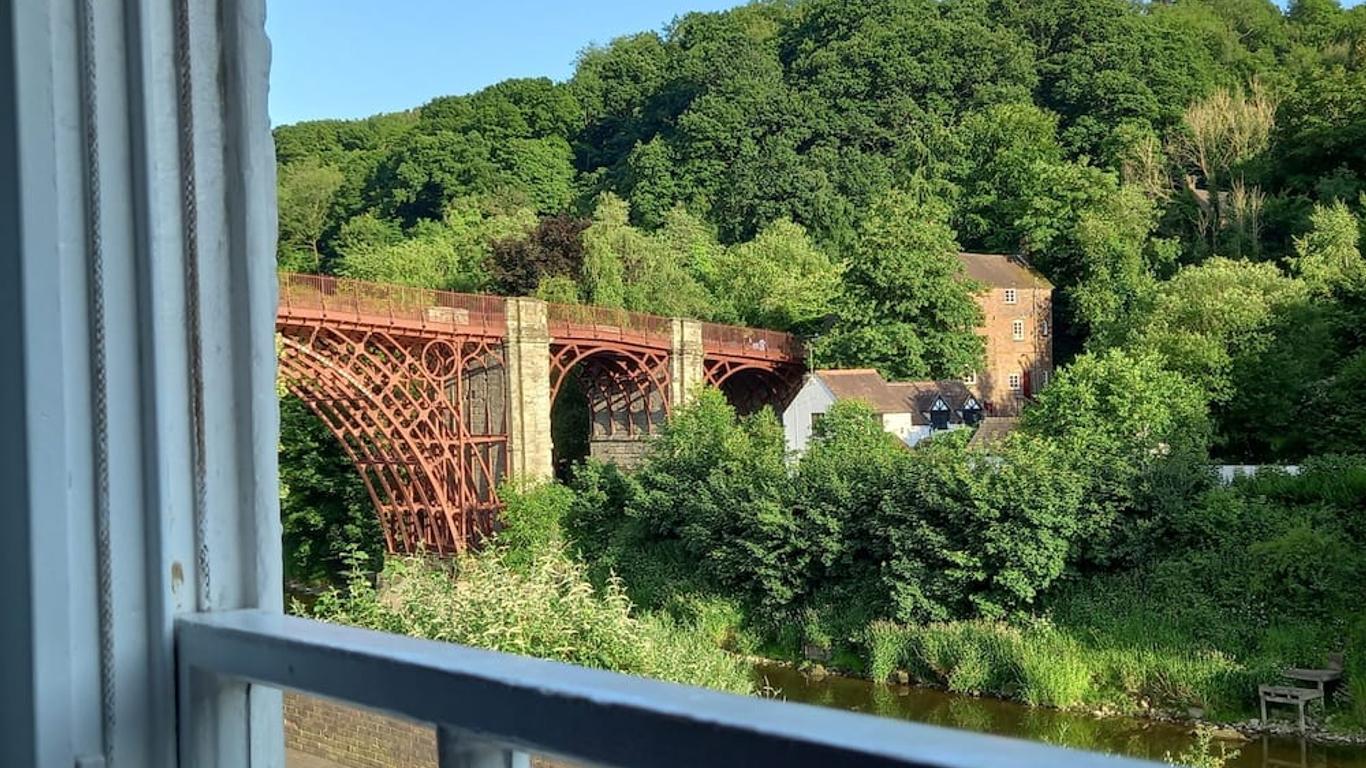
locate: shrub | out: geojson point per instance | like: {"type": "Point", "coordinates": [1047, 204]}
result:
{"type": "Point", "coordinates": [718, 486]}
{"type": "Point", "coordinates": [966, 537]}
{"type": "Point", "coordinates": [1303, 569]}
{"type": "Point", "coordinates": [547, 609]}
{"type": "Point", "coordinates": [532, 520]}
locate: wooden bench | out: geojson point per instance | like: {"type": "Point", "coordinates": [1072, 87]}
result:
{"type": "Point", "coordinates": [1321, 678]}
{"type": "Point", "coordinates": [1286, 694]}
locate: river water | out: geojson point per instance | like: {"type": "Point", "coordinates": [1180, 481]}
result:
{"type": "Point", "coordinates": [1119, 735]}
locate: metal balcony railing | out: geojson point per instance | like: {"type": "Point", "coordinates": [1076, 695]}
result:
{"type": "Point", "coordinates": [493, 709]}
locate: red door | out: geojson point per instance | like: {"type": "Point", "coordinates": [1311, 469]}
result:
{"type": "Point", "coordinates": [1027, 383]}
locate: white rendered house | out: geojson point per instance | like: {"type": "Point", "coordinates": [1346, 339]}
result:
{"type": "Point", "coordinates": [911, 410]}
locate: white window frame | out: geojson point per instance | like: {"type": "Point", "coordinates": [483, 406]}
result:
{"type": "Point", "coordinates": [1015, 382]}
{"type": "Point", "coordinates": [1012, 296]}
{"type": "Point", "coordinates": [1045, 377]}
{"type": "Point", "coordinates": [1044, 328]}
{"type": "Point", "coordinates": [139, 397]}
{"type": "Point", "coordinates": [970, 379]}
{"type": "Point", "coordinates": [1018, 329]}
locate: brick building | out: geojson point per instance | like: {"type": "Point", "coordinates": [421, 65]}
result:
{"type": "Point", "coordinates": [1018, 327]}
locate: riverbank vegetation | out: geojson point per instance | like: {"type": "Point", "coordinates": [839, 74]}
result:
{"type": "Point", "coordinates": [526, 595]}
{"type": "Point", "coordinates": [1089, 565]}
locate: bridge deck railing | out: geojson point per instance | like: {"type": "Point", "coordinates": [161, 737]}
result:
{"type": "Point", "coordinates": [400, 304]}
{"type": "Point", "coordinates": [608, 323]}
{"type": "Point", "coordinates": [750, 342]}
{"type": "Point", "coordinates": [392, 303]}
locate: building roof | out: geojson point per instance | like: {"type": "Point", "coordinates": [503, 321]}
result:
{"type": "Point", "coordinates": [997, 270]}
{"type": "Point", "coordinates": [864, 385]}
{"type": "Point", "coordinates": [919, 396]}
{"type": "Point", "coordinates": [993, 430]}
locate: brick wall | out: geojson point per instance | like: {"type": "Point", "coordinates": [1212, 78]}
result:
{"type": "Point", "coordinates": [1006, 355]}
{"type": "Point", "coordinates": [356, 738]}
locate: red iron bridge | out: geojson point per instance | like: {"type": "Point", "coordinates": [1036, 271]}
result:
{"type": "Point", "coordinates": [438, 397]}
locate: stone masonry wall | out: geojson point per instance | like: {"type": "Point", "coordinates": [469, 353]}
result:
{"type": "Point", "coordinates": [625, 452]}
{"type": "Point", "coordinates": [356, 738]}
{"type": "Point", "coordinates": [528, 402]}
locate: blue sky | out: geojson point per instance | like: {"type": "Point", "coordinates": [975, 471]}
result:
{"type": "Point", "coordinates": [354, 58]}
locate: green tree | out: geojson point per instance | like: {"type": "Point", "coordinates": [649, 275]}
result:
{"type": "Point", "coordinates": [304, 197]}
{"type": "Point", "coordinates": [717, 485]}
{"type": "Point", "coordinates": [1207, 315]}
{"type": "Point", "coordinates": [327, 514]}
{"type": "Point", "coordinates": [1327, 257]}
{"type": "Point", "coordinates": [1118, 417]}
{"type": "Point", "coordinates": [907, 309]}
{"type": "Point", "coordinates": [1008, 150]}
{"type": "Point", "coordinates": [780, 279]}
{"type": "Point", "coordinates": [452, 254]}
{"type": "Point", "coordinates": [641, 271]}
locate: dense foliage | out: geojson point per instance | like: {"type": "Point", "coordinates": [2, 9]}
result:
{"type": "Point", "coordinates": [1189, 175]}
{"type": "Point", "coordinates": [1085, 561]}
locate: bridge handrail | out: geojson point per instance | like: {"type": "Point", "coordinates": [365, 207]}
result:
{"type": "Point", "coordinates": [394, 302]}
{"type": "Point", "coordinates": [750, 342]}
{"type": "Point", "coordinates": [589, 316]}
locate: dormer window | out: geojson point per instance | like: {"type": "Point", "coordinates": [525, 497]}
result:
{"type": "Point", "coordinates": [972, 412]}
{"type": "Point", "coordinates": [939, 414]}
{"type": "Point", "coordinates": [1012, 296]}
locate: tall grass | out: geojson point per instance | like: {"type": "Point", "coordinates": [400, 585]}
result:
{"type": "Point", "coordinates": [1044, 665]}
{"type": "Point", "coordinates": [544, 607]}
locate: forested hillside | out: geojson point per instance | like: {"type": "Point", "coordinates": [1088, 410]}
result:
{"type": "Point", "coordinates": [1189, 174]}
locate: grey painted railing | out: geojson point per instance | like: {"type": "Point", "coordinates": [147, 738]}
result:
{"type": "Point", "coordinates": [492, 709]}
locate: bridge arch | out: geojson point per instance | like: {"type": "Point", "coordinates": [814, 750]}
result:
{"type": "Point", "coordinates": [624, 390]}
{"type": "Point", "coordinates": [422, 420]}
{"type": "Point", "coordinates": [751, 385]}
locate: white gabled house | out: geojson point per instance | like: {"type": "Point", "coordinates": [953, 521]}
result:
{"type": "Point", "coordinates": [911, 410]}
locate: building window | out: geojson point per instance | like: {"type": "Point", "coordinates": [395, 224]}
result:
{"type": "Point", "coordinates": [815, 419]}
{"type": "Point", "coordinates": [1012, 297]}
{"type": "Point", "coordinates": [1043, 327]}
{"type": "Point", "coordinates": [1045, 376]}
{"type": "Point", "coordinates": [1017, 330]}
{"type": "Point", "coordinates": [970, 379]}
{"type": "Point", "coordinates": [1014, 381]}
